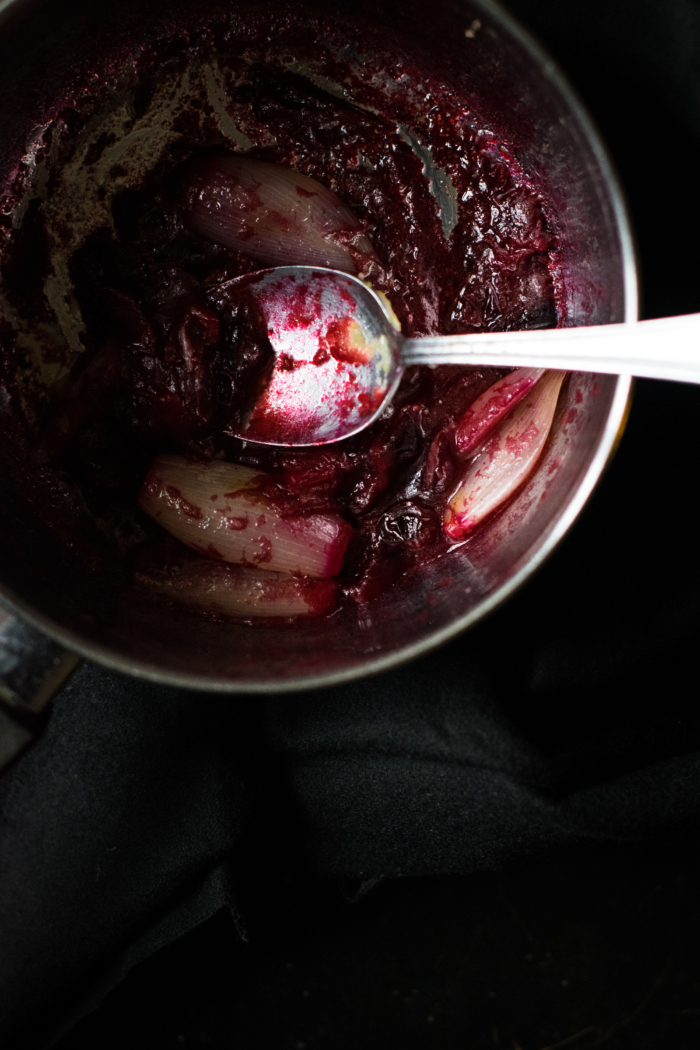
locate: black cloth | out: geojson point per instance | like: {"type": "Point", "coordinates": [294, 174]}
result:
{"type": "Point", "coordinates": [569, 716]}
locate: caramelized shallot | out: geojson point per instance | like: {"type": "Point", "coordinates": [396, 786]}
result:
{"type": "Point", "coordinates": [274, 215]}
{"type": "Point", "coordinates": [506, 459]}
{"type": "Point", "coordinates": [221, 510]}
{"type": "Point", "coordinates": [489, 409]}
{"type": "Point", "coordinates": [240, 590]}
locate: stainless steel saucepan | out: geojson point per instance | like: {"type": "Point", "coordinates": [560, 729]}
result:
{"type": "Point", "coordinates": [58, 607]}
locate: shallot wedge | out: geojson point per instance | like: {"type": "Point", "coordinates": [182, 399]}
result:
{"type": "Point", "coordinates": [221, 510]}
{"type": "Point", "coordinates": [506, 459]}
{"type": "Point", "coordinates": [241, 591]}
{"type": "Point", "coordinates": [489, 409]}
{"type": "Point", "coordinates": [273, 214]}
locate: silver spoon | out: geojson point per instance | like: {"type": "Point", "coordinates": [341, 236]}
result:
{"type": "Point", "coordinates": [339, 354]}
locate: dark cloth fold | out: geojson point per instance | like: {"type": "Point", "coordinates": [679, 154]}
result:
{"type": "Point", "coordinates": [570, 715]}
{"type": "Point", "coordinates": [112, 830]}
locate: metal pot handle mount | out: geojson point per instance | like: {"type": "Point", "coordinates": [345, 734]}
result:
{"type": "Point", "coordinates": [32, 669]}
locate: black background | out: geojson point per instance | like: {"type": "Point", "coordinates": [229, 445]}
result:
{"type": "Point", "coordinates": [537, 782]}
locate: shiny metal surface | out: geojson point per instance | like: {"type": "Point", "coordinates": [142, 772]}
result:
{"type": "Point", "coordinates": [322, 402]}
{"type": "Point", "coordinates": [318, 402]}
{"type": "Point", "coordinates": [92, 614]}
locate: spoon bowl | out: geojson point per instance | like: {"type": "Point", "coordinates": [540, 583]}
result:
{"type": "Point", "coordinates": [337, 355]}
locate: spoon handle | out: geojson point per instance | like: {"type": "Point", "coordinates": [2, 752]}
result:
{"type": "Point", "coordinates": [667, 348]}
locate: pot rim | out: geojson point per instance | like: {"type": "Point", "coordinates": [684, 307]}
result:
{"type": "Point", "coordinates": [608, 442]}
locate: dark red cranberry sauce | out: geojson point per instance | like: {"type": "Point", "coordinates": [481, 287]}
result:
{"type": "Point", "coordinates": [172, 361]}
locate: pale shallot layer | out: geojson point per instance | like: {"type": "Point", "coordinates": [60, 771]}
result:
{"type": "Point", "coordinates": [489, 409]}
{"type": "Point", "coordinates": [220, 510]}
{"type": "Point", "coordinates": [273, 214]}
{"type": "Point", "coordinates": [506, 459]}
{"type": "Point", "coordinates": [241, 591]}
